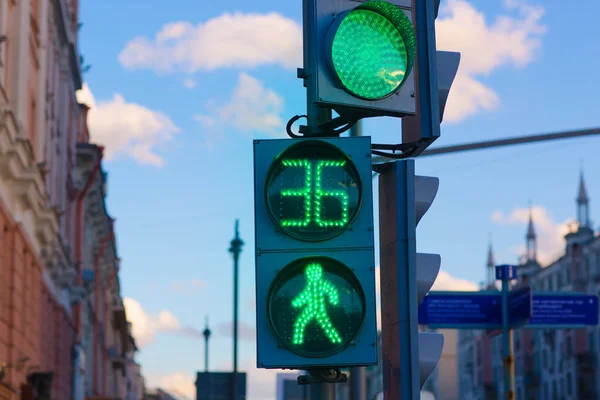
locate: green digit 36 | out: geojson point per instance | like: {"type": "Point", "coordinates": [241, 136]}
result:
{"type": "Point", "coordinates": [314, 193]}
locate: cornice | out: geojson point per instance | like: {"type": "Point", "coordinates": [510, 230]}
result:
{"type": "Point", "coordinates": [28, 189]}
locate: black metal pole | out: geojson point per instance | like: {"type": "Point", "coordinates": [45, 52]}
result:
{"type": "Point", "coordinates": [206, 334]}
{"type": "Point", "coordinates": [235, 250]}
{"type": "Point", "coordinates": [358, 389]}
{"type": "Point", "coordinates": [322, 391]}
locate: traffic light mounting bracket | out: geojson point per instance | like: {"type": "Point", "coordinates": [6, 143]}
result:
{"type": "Point", "coordinates": [323, 376]}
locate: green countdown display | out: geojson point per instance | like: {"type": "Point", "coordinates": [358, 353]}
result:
{"type": "Point", "coordinates": [373, 49]}
{"type": "Point", "coordinates": [316, 306]}
{"type": "Point", "coordinates": [313, 191]}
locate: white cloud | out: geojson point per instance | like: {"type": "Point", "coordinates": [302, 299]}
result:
{"type": "Point", "coordinates": [189, 83]}
{"type": "Point", "coordinates": [445, 281]}
{"type": "Point", "coordinates": [550, 234]}
{"type": "Point", "coordinates": [513, 38]}
{"type": "Point", "coordinates": [245, 331]}
{"type": "Point", "coordinates": [252, 109]}
{"type": "Point", "coordinates": [205, 120]}
{"type": "Point", "coordinates": [146, 326]}
{"type": "Point", "coordinates": [228, 41]}
{"type": "Point", "coordinates": [85, 96]}
{"type": "Point", "coordinates": [180, 384]}
{"type": "Point", "coordinates": [125, 128]}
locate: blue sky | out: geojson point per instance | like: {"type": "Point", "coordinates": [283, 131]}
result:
{"type": "Point", "coordinates": [178, 113]}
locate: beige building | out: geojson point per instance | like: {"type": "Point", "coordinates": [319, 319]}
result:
{"type": "Point", "coordinates": [443, 382]}
{"type": "Point", "coordinates": [549, 363]}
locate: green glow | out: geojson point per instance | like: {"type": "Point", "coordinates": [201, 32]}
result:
{"type": "Point", "coordinates": [314, 193]}
{"type": "Point", "coordinates": [316, 306]}
{"type": "Point", "coordinates": [305, 192]}
{"type": "Point", "coordinates": [320, 193]}
{"type": "Point", "coordinates": [373, 50]}
{"type": "Point", "coordinates": [313, 299]}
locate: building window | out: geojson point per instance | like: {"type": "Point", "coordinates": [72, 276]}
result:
{"type": "Point", "coordinates": [568, 349]}
{"type": "Point", "coordinates": [569, 384]}
{"type": "Point", "coordinates": [592, 341]}
{"type": "Point", "coordinates": [554, 391]}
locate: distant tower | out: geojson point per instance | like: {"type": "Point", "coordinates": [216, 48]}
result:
{"type": "Point", "coordinates": [584, 231]}
{"type": "Point", "coordinates": [531, 241]}
{"type": "Point", "coordinates": [206, 334]}
{"type": "Point", "coordinates": [583, 205]}
{"type": "Point", "coordinates": [491, 266]}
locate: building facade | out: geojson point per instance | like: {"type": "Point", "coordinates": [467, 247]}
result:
{"type": "Point", "coordinates": [549, 364]}
{"type": "Point", "coordinates": [102, 329]}
{"type": "Point", "coordinates": [36, 324]}
{"type": "Point", "coordinates": [63, 328]}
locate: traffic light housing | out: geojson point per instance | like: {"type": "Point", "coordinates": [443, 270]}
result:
{"type": "Point", "coordinates": [428, 267]}
{"type": "Point", "coordinates": [359, 57]}
{"type": "Point", "coordinates": [315, 275]}
{"type": "Point", "coordinates": [406, 277]}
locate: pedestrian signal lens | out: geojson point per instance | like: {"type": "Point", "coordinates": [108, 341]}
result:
{"type": "Point", "coordinates": [313, 191]}
{"type": "Point", "coordinates": [316, 306]}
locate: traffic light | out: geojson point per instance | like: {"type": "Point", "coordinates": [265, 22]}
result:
{"type": "Point", "coordinates": [428, 267]}
{"type": "Point", "coordinates": [315, 271]}
{"type": "Point", "coordinates": [406, 277]}
{"type": "Point", "coordinates": [359, 57]}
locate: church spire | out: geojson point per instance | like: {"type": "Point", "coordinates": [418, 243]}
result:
{"type": "Point", "coordinates": [583, 204]}
{"type": "Point", "coordinates": [531, 242]}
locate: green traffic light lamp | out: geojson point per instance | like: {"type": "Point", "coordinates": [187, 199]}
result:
{"type": "Point", "coordinates": [372, 49]}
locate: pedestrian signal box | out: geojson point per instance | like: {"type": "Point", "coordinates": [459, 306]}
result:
{"type": "Point", "coordinates": [315, 272]}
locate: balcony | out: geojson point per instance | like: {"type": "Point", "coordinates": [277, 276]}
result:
{"type": "Point", "coordinates": [117, 358]}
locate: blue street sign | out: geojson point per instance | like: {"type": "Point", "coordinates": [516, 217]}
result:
{"type": "Point", "coordinates": [520, 307]}
{"type": "Point", "coordinates": [483, 310]}
{"type": "Point", "coordinates": [569, 310]}
{"type": "Point", "coordinates": [506, 272]}
{"type": "Point", "coordinates": [466, 310]}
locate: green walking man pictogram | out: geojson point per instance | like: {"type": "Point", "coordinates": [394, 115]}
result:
{"type": "Point", "coordinates": [313, 299]}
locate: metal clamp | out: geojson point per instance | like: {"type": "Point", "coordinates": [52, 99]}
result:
{"type": "Point", "coordinates": [329, 375]}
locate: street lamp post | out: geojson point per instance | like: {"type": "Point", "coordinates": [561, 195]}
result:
{"type": "Point", "coordinates": [206, 334]}
{"type": "Point", "coordinates": [235, 249]}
